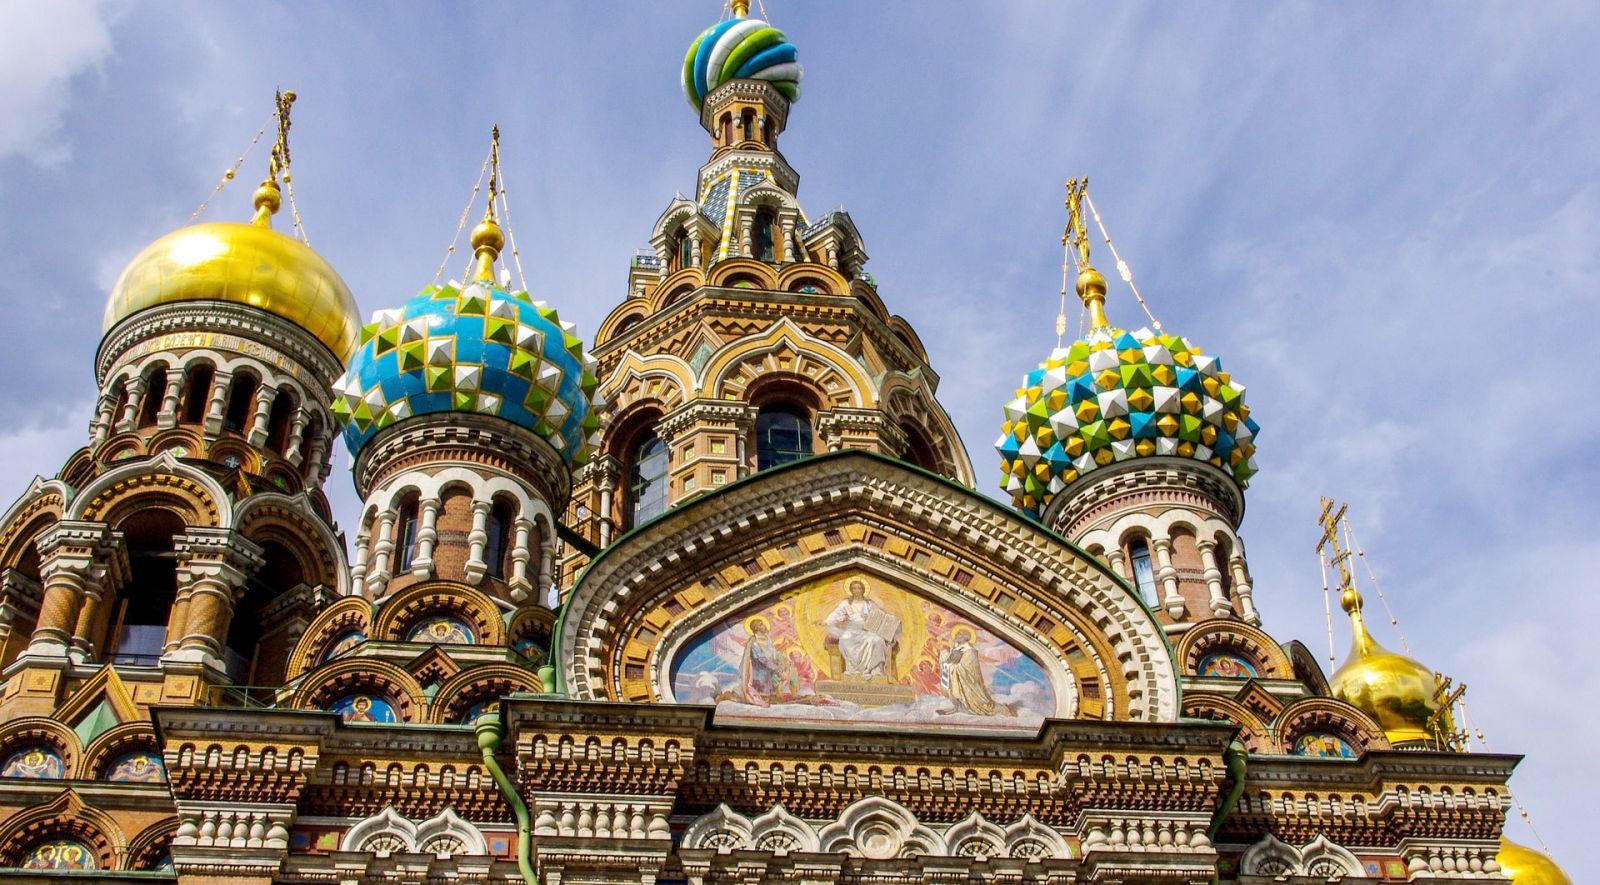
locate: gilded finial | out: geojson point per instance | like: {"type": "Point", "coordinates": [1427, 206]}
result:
{"type": "Point", "coordinates": [1349, 597]}
{"type": "Point", "coordinates": [1091, 283]}
{"type": "Point", "coordinates": [741, 8]}
{"type": "Point", "coordinates": [268, 197]}
{"type": "Point", "coordinates": [487, 239]}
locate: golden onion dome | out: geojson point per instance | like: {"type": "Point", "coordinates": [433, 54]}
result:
{"type": "Point", "coordinates": [1396, 691]}
{"type": "Point", "coordinates": [1524, 866]}
{"type": "Point", "coordinates": [248, 264]}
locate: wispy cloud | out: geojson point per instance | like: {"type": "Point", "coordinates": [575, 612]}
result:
{"type": "Point", "coordinates": [43, 48]}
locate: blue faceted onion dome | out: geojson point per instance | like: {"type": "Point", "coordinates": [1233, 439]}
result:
{"type": "Point", "coordinates": [478, 348]}
{"type": "Point", "coordinates": [740, 49]}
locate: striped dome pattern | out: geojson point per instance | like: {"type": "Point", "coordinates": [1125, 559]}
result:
{"type": "Point", "coordinates": [1117, 395]}
{"type": "Point", "coordinates": [480, 349]}
{"type": "Point", "coordinates": [740, 49]}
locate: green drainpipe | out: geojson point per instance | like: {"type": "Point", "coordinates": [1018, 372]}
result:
{"type": "Point", "coordinates": [489, 737]}
{"type": "Point", "coordinates": [1236, 758]}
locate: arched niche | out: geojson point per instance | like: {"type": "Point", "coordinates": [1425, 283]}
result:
{"type": "Point", "coordinates": [863, 644]}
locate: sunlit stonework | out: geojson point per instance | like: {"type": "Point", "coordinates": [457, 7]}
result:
{"type": "Point", "coordinates": [713, 601]}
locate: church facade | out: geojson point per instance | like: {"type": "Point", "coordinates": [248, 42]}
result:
{"type": "Point", "coordinates": [710, 599]}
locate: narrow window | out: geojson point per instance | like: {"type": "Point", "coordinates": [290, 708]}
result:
{"type": "Point", "coordinates": [240, 400]}
{"type": "Point", "coordinates": [685, 250]}
{"type": "Point", "coordinates": [762, 247]}
{"type": "Point", "coordinates": [1144, 575]}
{"type": "Point", "coordinates": [647, 480]}
{"type": "Point", "coordinates": [405, 536]}
{"type": "Point", "coordinates": [783, 434]}
{"type": "Point", "coordinates": [155, 390]}
{"type": "Point", "coordinates": [283, 408]}
{"type": "Point", "coordinates": [748, 121]}
{"type": "Point", "coordinates": [198, 392]}
{"type": "Point", "coordinates": [495, 549]}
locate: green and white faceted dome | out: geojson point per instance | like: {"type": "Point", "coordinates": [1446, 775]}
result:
{"type": "Point", "coordinates": [478, 349]}
{"type": "Point", "coordinates": [1114, 396]}
{"type": "Point", "coordinates": [740, 49]}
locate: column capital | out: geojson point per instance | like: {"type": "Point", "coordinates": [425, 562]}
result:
{"type": "Point", "coordinates": [222, 554]}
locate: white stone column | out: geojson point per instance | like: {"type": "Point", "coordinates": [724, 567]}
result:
{"type": "Point", "coordinates": [608, 493]}
{"type": "Point", "coordinates": [520, 554]}
{"type": "Point", "coordinates": [167, 417]}
{"type": "Point", "coordinates": [477, 540]}
{"type": "Point", "coordinates": [427, 537]}
{"type": "Point", "coordinates": [787, 245]}
{"type": "Point", "coordinates": [382, 549]}
{"type": "Point", "coordinates": [297, 435]}
{"type": "Point", "coordinates": [1167, 575]}
{"type": "Point", "coordinates": [217, 406]}
{"type": "Point", "coordinates": [547, 559]}
{"type": "Point", "coordinates": [694, 247]}
{"type": "Point", "coordinates": [130, 409]}
{"type": "Point", "coordinates": [746, 242]}
{"type": "Point", "coordinates": [258, 425]}
{"type": "Point", "coordinates": [1242, 589]}
{"type": "Point", "coordinates": [1220, 606]}
{"type": "Point", "coordinates": [358, 568]}
{"type": "Point", "coordinates": [316, 459]}
{"type": "Point", "coordinates": [100, 425]}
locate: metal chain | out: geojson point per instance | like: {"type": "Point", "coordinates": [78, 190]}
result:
{"type": "Point", "coordinates": [228, 175]}
{"type": "Point", "coordinates": [1350, 538]}
{"type": "Point", "coordinates": [1327, 603]}
{"type": "Point", "coordinates": [511, 234]}
{"type": "Point", "coordinates": [461, 225]}
{"type": "Point", "coordinates": [1122, 266]}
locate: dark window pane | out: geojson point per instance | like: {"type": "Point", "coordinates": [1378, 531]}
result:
{"type": "Point", "coordinates": [781, 436]}
{"type": "Point", "coordinates": [647, 480]}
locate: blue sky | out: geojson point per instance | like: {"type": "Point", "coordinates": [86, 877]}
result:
{"type": "Point", "coordinates": [1384, 217]}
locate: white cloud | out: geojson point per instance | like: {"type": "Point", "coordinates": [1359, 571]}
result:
{"type": "Point", "coordinates": [43, 48]}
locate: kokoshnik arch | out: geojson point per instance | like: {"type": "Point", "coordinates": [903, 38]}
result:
{"type": "Point", "coordinates": [713, 602]}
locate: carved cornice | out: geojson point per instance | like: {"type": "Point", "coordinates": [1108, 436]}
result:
{"type": "Point", "coordinates": [1107, 490]}
{"type": "Point", "coordinates": [461, 438]}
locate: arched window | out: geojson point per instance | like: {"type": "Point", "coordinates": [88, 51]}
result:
{"type": "Point", "coordinates": [766, 131]}
{"type": "Point", "coordinates": [783, 434]}
{"type": "Point", "coordinates": [1224, 568]}
{"type": "Point", "coordinates": [725, 129]}
{"type": "Point", "coordinates": [1144, 574]}
{"type": "Point", "coordinates": [241, 399]}
{"type": "Point", "coordinates": [647, 480]}
{"type": "Point", "coordinates": [918, 450]}
{"type": "Point", "coordinates": [497, 548]}
{"type": "Point", "coordinates": [242, 655]}
{"type": "Point", "coordinates": [196, 393]}
{"type": "Point", "coordinates": [762, 237]}
{"type": "Point", "coordinates": [283, 408]}
{"type": "Point", "coordinates": [747, 120]}
{"type": "Point", "coordinates": [155, 390]}
{"type": "Point", "coordinates": [685, 250]}
{"type": "Point", "coordinates": [145, 605]}
{"type": "Point", "coordinates": [119, 400]}
{"type": "Point", "coordinates": [677, 251]}
{"type": "Point", "coordinates": [405, 534]}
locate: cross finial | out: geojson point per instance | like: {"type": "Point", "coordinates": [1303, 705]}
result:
{"type": "Point", "coordinates": [1091, 283]}
{"type": "Point", "coordinates": [1331, 520]}
{"type": "Point", "coordinates": [487, 239]}
{"type": "Point", "coordinates": [268, 198]}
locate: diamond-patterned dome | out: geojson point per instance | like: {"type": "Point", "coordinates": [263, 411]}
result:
{"type": "Point", "coordinates": [477, 348]}
{"type": "Point", "coordinates": [1117, 395]}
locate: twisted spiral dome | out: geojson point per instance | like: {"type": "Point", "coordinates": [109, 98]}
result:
{"type": "Point", "coordinates": [1116, 395]}
{"type": "Point", "coordinates": [477, 348]}
{"type": "Point", "coordinates": [740, 49]}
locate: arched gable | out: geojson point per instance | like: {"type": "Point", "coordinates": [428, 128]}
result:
{"type": "Point", "coordinates": [786, 348]}
{"type": "Point", "coordinates": [849, 513]}
{"type": "Point", "coordinates": [163, 481]}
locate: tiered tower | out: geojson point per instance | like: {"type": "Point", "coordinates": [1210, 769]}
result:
{"type": "Point", "coordinates": [191, 535]}
{"type": "Point", "coordinates": [1138, 447]}
{"type": "Point", "coordinates": [751, 335]}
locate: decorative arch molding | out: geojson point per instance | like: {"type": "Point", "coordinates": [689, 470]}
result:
{"type": "Point", "coordinates": [292, 521]}
{"type": "Point", "coordinates": [784, 347]}
{"type": "Point", "coordinates": [725, 272]}
{"type": "Point", "coordinates": [974, 836]}
{"type": "Point", "coordinates": [1235, 637]}
{"type": "Point", "coordinates": [723, 830]}
{"type": "Point", "coordinates": [65, 816]}
{"type": "Point", "coordinates": [879, 829]}
{"type": "Point", "coordinates": [162, 481]}
{"type": "Point", "coordinates": [475, 685]}
{"type": "Point", "coordinates": [352, 614]}
{"type": "Point", "coordinates": [794, 274]}
{"type": "Point", "coordinates": [1320, 858]}
{"type": "Point", "coordinates": [909, 398]}
{"type": "Point", "coordinates": [148, 849]}
{"type": "Point", "coordinates": [674, 289]}
{"type": "Point", "coordinates": [400, 612]}
{"type": "Point", "coordinates": [1329, 716]}
{"type": "Point", "coordinates": [114, 743]}
{"type": "Point", "coordinates": [1034, 582]}
{"type": "Point", "coordinates": [388, 832]}
{"type": "Point", "coordinates": [40, 731]}
{"type": "Point", "coordinates": [365, 675]}
{"type": "Point", "coordinates": [662, 377]}
{"type": "Point", "coordinates": [41, 505]}
{"type": "Point", "coordinates": [1255, 733]}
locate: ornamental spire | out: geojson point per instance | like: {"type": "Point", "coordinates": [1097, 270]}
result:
{"type": "Point", "coordinates": [741, 8]}
{"type": "Point", "coordinates": [487, 239]}
{"type": "Point", "coordinates": [268, 197]}
{"type": "Point", "coordinates": [1091, 283]}
{"type": "Point", "coordinates": [1349, 597]}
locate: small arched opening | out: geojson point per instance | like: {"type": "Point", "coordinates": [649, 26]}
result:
{"type": "Point", "coordinates": [155, 390]}
{"type": "Point", "coordinates": [783, 434]}
{"type": "Point", "coordinates": [241, 399]}
{"type": "Point", "coordinates": [256, 650]}
{"type": "Point", "coordinates": [762, 238]}
{"type": "Point", "coordinates": [197, 392]}
{"type": "Point", "coordinates": [648, 464]}
{"type": "Point", "coordinates": [144, 607]}
{"type": "Point", "coordinates": [279, 418]}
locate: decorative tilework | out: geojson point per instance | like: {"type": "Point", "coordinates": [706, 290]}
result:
{"type": "Point", "coordinates": [478, 348]}
{"type": "Point", "coordinates": [1117, 395]}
